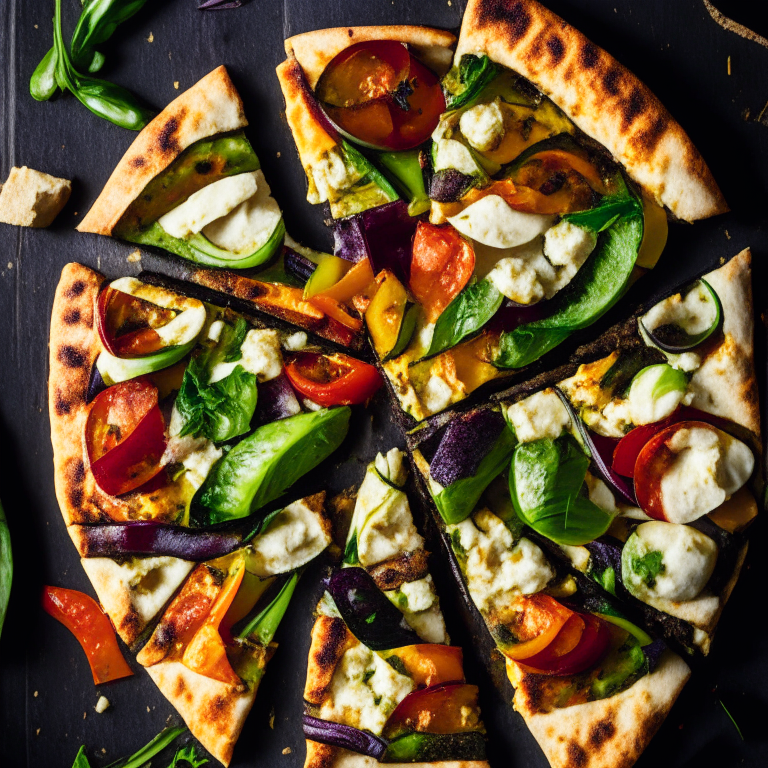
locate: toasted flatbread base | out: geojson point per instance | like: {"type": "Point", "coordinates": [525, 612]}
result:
{"type": "Point", "coordinates": [609, 733]}
{"type": "Point", "coordinates": [209, 107]}
{"type": "Point", "coordinates": [315, 50]}
{"type": "Point", "coordinates": [215, 712]}
{"type": "Point", "coordinates": [602, 97]}
{"type": "Point", "coordinates": [326, 756]}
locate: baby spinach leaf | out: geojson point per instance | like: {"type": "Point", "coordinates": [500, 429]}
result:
{"type": "Point", "coordinates": [232, 352]}
{"type": "Point", "coordinates": [546, 481]}
{"type": "Point", "coordinates": [269, 461]}
{"type": "Point", "coordinates": [465, 315]}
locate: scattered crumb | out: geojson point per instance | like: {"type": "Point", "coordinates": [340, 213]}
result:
{"type": "Point", "coordinates": [727, 235]}
{"type": "Point", "coordinates": [272, 718]}
{"type": "Point", "coordinates": [37, 733]}
{"type": "Point", "coordinates": [680, 727]}
{"type": "Point", "coordinates": [278, 154]}
{"type": "Point", "coordinates": [147, 709]}
{"type": "Point", "coordinates": [151, 38]}
{"type": "Point", "coordinates": [84, 714]}
{"type": "Point", "coordinates": [722, 260]}
{"type": "Point", "coordinates": [176, 84]}
{"type": "Point", "coordinates": [729, 65]}
{"type": "Point", "coordinates": [102, 705]}
{"type": "Point", "coordinates": [9, 266]}
{"type": "Point", "coordinates": [103, 751]}
{"type": "Point", "coordinates": [36, 27]}
{"type": "Point", "coordinates": [450, 3]}
{"type": "Point", "coordinates": [169, 54]}
{"type": "Point", "coordinates": [134, 257]}
{"type": "Point", "coordinates": [745, 114]}
{"type": "Point", "coordinates": [286, 751]}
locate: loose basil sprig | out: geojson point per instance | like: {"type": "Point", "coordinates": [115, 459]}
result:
{"type": "Point", "coordinates": [105, 99]}
{"type": "Point", "coordinates": [6, 566]}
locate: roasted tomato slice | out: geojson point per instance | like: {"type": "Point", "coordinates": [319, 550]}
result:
{"type": "Point", "coordinates": [444, 708]}
{"type": "Point", "coordinates": [539, 620]}
{"type": "Point", "coordinates": [125, 436]}
{"type": "Point", "coordinates": [429, 664]}
{"type": "Point", "coordinates": [126, 323]}
{"type": "Point", "coordinates": [380, 94]}
{"type": "Point", "coordinates": [83, 617]}
{"type": "Point", "coordinates": [332, 379]}
{"type": "Point", "coordinates": [442, 264]}
{"type": "Point", "coordinates": [580, 644]}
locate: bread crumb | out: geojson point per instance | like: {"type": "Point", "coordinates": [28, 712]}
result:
{"type": "Point", "coordinates": [151, 38]}
{"type": "Point", "coordinates": [37, 733]}
{"type": "Point", "coordinates": [84, 714]}
{"type": "Point", "coordinates": [727, 235]}
{"type": "Point", "coordinates": [36, 27]}
{"type": "Point", "coordinates": [147, 709]}
{"type": "Point", "coordinates": [134, 257]}
{"type": "Point", "coordinates": [272, 718]}
{"type": "Point", "coordinates": [9, 266]}
{"type": "Point", "coordinates": [286, 751]}
{"type": "Point", "coordinates": [729, 65]}
{"type": "Point", "coordinates": [176, 84]}
{"type": "Point", "coordinates": [102, 705]}
{"type": "Point", "coordinates": [32, 199]}
{"type": "Point", "coordinates": [103, 751]}
{"type": "Point", "coordinates": [278, 154]}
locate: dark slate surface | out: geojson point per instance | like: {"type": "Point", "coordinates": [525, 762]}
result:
{"type": "Point", "coordinates": [46, 693]}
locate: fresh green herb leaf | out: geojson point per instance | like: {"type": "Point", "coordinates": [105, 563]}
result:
{"type": "Point", "coordinates": [189, 755]}
{"type": "Point", "coordinates": [649, 566]}
{"type": "Point", "coordinates": [368, 674]}
{"type": "Point", "coordinates": [351, 556]}
{"type": "Point", "coordinates": [546, 484]}
{"type": "Point", "coordinates": [730, 717]}
{"type": "Point", "coordinates": [466, 80]}
{"type": "Point", "coordinates": [6, 566]}
{"type": "Point", "coordinates": [81, 761]}
{"type": "Point", "coordinates": [158, 744]}
{"type": "Point", "coordinates": [263, 627]}
{"type": "Point", "coordinates": [465, 315]}
{"type": "Point", "coordinates": [606, 579]}
{"type": "Point", "coordinates": [233, 351]}
{"type": "Point", "coordinates": [42, 84]}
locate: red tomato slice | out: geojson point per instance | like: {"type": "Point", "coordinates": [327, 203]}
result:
{"type": "Point", "coordinates": [126, 323]}
{"type": "Point", "coordinates": [125, 436]}
{"type": "Point", "coordinates": [435, 710]}
{"type": "Point", "coordinates": [629, 447]}
{"type": "Point", "coordinates": [363, 90]}
{"type": "Point", "coordinates": [332, 379]}
{"type": "Point", "coordinates": [540, 620]}
{"type": "Point", "coordinates": [592, 644]}
{"type": "Point", "coordinates": [441, 265]}
{"type": "Point", "coordinates": [83, 617]}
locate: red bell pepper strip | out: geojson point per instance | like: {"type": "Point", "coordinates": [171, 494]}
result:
{"type": "Point", "coordinates": [332, 379]}
{"type": "Point", "coordinates": [125, 436]}
{"type": "Point", "coordinates": [83, 617]}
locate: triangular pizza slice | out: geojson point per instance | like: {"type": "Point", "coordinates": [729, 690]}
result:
{"type": "Point", "coordinates": [384, 684]}
{"type": "Point", "coordinates": [639, 465]}
{"type": "Point", "coordinates": [549, 173]}
{"type": "Point", "coordinates": [192, 185]}
{"type": "Point", "coordinates": [178, 428]}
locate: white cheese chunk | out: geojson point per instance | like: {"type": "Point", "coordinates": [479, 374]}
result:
{"type": "Point", "coordinates": [540, 415]}
{"type": "Point", "coordinates": [493, 222]}
{"type": "Point", "coordinates": [364, 690]}
{"type": "Point", "coordinates": [498, 569]}
{"type": "Point", "coordinates": [429, 625]}
{"type": "Point", "coordinates": [390, 466]}
{"type": "Point", "coordinates": [613, 421]}
{"type": "Point", "coordinates": [683, 564]}
{"type": "Point", "coordinates": [261, 356]}
{"type": "Point", "coordinates": [483, 126]}
{"type": "Point", "coordinates": [247, 227]}
{"type": "Point", "coordinates": [417, 600]}
{"type": "Point", "coordinates": [453, 155]}
{"type": "Point", "coordinates": [208, 204]}
{"type": "Point", "coordinates": [329, 176]}
{"type": "Point", "coordinates": [567, 247]}
{"type": "Point", "coordinates": [517, 280]}
{"type": "Point", "coordinates": [708, 467]}
{"type": "Point", "coordinates": [694, 313]}
{"type": "Point", "coordinates": [295, 342]}
{"type": "Point", "coordinates": [199, 463]}
{"type": "Point", "coordinates": [600, 494]}
{"type": "Point", "coordinates": [437, 394]}
{"type": "Point", "coordinates": [297, 535]}
{"type": "Point", "coordinates": [102, 705]}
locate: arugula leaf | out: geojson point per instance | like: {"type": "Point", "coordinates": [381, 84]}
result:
{"type": "Point", "coordinates": [465, 315]}
{"type": "Point", "coordinates": [190, 755]}
{"type": "Point", "coordinates": [546, 484]}
{"type": "Point", "coordinates": [649, 566]}
{"type": "Point", "coordinates": [158, 744]}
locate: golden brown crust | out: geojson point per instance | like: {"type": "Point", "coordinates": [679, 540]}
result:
{"type": "Point", "coordinates": [330, 640]}
{"type": "Point", "coordinates": [315, 50]}
{"type": "Point", "coordinates": [608, 733]}
{"type": "Point", "coordinates": [601, 96]}
{"type": "Point", "coordinates": [326, 756]}
{"type": "Point", "coordinates": [392, 574]}
{"type": "Point", "coordinates": [211, 106]}
{"type": "Point", "coordinates": [214, 711]}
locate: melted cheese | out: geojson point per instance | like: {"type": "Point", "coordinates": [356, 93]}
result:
{"type": "Point", "coordinates": [261, 356]}
{"type": "Point", "coordinates": [540, 415]}
{"type": "Point", "coordinates": [483, 126]}
{"type": "Point", "coordinates": [330, 176]}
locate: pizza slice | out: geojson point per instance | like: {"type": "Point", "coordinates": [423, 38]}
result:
{"type": "Point", "coordinates": [639, 467]}
{"type": "Point", "coordinates": [550, 175]}
{"type": "Point", "coordinates": [384, 685]}
{"type": "Point", "coordinates": [179, 427]}
{"type": "Point", "coordinates": [192, 185]}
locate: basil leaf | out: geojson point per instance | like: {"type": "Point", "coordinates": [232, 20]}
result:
{"type": "Point", "coordinates": [81, 760]}
{"type": "Point", "coordinates": [545, 482]}
{"type": "Point", "coordinates": [188, 755]}
{"type": "Point", "coordinates": [649, 566]}
{"type": "Point", "coordinates": [466, 80]}
{"type": "Point", "coordinates": [231, 350]}
{"type": "Point", "coordinates": [456, 501]}
{"type": "Point", "coordinates": [594, 290]}
{"type": "Point", "coordinates": [268, 462]}
{"type": "Point", "coordinates": [6, 566]}
{"type": "Point", "coordinates": [465, 315]}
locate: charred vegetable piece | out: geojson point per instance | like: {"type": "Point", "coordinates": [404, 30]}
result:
{"type": "Point", "coordinates": [83, 617]}
{"type": "Point", "coordinates": [433, 747]}
{"type": "Point", "coordinates": [344, 736]}
{"type": "Point", "coordinates": [331, 380]}
{"type": "Point", "coordinates": [370, 616]}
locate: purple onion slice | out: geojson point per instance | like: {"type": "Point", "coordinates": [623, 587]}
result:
{"type": "Point", "coordinates": [297, 265]}
{"type": "Point", "coordinates": [617, 483]}
{"type": "Point", "coordinates": [344, 736]}
{"type": "Point", "coordinates": [277, 400]}
{"type": "Point", "coordinates": [653, 653]}
{"type": "Point", "coordinates": [95, 384]}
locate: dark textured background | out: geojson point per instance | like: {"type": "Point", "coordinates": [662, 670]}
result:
{"type": "Point", "coordinates": [45, 685]}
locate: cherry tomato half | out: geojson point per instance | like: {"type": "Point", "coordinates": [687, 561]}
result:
{"type": "Point", "coordinates": [125, 436]}
{"type": "Point", "coordinates": [380, 94]}
{"type": "Point", "coordinates": [83, 617]}
{"type": "Point", "coordinates": [332, 379]}
{"type": "Point", "coordinates": [126, 323]}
